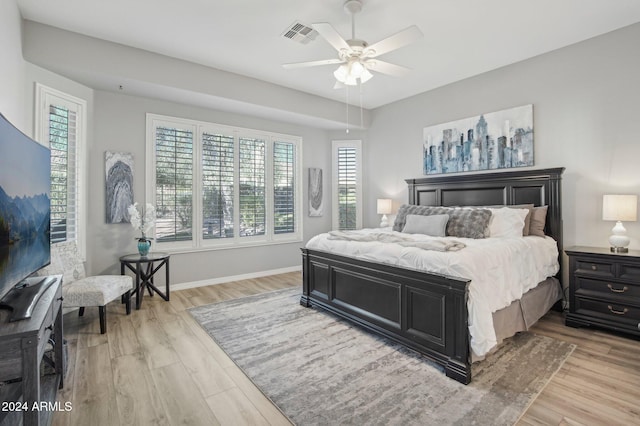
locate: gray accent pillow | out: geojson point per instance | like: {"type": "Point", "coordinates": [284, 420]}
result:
{"type": "Point", "coordinates": [538, 221]}
{"type": "Point", "coordinates": [433, 225]}
{"type": "Point", "coordinates": [464, 223]}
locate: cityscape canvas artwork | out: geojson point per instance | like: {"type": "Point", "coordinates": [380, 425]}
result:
{"type": "Point", "coordinates": [118, 186]}
{"type": "Point", "coordinates": [496, 140]}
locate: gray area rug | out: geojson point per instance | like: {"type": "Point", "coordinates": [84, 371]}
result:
{"type": "Point", "coordinates": [321, 370]}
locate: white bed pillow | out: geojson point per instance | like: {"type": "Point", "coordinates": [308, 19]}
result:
{"type": "Point", "coordinates": [507, 222]}
{"type": "Point", "coordinates": [433, 225]}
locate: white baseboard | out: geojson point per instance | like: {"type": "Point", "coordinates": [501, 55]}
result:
{"type": "Point", "coordinates": [214, 281]}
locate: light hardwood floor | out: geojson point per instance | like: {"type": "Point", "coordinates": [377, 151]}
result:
{"type": "Point", "coordinates": [157, 366]}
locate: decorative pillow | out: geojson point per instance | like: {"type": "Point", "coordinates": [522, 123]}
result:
{"type": "Point", "coordinates": [433, 225]}
{"type": "Point", "coordinates": [507, 222]}
{"type": "Point", "coordinates": [538, 221]}
{"type": "Point", "coordinates": [464, 223]}
{"type": "Point", "coordinates": [527, 220]}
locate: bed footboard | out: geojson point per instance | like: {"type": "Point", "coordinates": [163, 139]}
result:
{"type": "Point", "coordinates": [425, 312]}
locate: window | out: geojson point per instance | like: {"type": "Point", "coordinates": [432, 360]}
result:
{"type": "Point", "coordinates": [220, 186]}
{"type": "Point", "coordinates": [60, 125]}
{"type": "Point", "coordinates": [347, 185]}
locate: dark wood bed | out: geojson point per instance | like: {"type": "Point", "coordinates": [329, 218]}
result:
{"type": "Point", "coordinates": [426, 312]}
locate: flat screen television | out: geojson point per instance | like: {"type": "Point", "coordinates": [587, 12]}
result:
{"type": "Point", "coordinates": [25, 211]}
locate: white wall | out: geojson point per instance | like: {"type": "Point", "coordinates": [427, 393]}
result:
{"type": "Point", "coordinates": [120, 126]}
{"type": "Point", "coordinates": [13, 103]}
{"type": "Point", "coordinates": [586, 104]}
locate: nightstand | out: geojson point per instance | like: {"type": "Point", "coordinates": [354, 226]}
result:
{"type": "Point", "coordinates": [604, 289]}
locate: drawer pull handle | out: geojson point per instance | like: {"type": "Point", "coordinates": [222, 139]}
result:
{"type": "Point", "coordinates": [594, 268]}
{"type": "Point", "coordinates": [613, 311]}
{"type": "Point", "coordinates": [50, 327]}
{"type": "Point", "coordinates": [617, 290]}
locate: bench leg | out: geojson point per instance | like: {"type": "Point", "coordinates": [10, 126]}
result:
{"type": "Point", "coordinates": [103, 319]}
{"type": "Point", "coordinates": [81, 311]}
{"type": "Point", "coordinates": [127, 301]}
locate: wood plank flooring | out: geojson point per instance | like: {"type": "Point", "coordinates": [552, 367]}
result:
{"type": "Point", "coordinates": [157, 366]}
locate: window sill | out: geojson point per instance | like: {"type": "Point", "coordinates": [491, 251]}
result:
{"type": "Point", "coordinates": [167, 247]}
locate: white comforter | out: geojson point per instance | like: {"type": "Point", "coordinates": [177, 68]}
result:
{"type": "Point", "coordinates": [501, 270]}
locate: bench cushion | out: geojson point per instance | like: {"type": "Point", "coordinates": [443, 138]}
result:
{"type": "Point", "coordinates": [95, 291]}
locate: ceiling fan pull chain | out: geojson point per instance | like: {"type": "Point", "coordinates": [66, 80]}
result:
{"type": "Point", "coordinates": [361, 113]}
{"type": "Point", "coordinates": [346, 102]}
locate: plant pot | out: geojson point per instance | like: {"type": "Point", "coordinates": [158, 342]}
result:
{"type": "Point", "coordinates": [143, 246]}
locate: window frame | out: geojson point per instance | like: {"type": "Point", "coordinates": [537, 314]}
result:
{"type": "Point", "coordinates": [198, 242]}
{"type": "Point", "coordinates": [335, 209]}
{"type": "Point", "coordinates": [44, 97]}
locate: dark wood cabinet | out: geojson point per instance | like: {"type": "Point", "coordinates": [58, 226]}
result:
{"type": "Point", "coordinates": [604, 289]}
{"type": "Point", "coordinates": [25, 393]}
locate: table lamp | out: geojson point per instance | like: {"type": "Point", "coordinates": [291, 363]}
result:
{"type": "Point", "coordinates": [384, 208]}
{"type": "Point", "coordinates": [619, 208]}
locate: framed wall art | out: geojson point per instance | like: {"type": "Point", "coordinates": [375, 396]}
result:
{"type": "Point", "coordinates": [118, 185]}
{"type": "Point", "coordinates": [316, 200]}
{"type": "Point", "coordinates": [495, 140]}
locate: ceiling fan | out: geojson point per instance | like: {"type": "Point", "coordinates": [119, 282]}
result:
{"type": "Point", "coordinates": [356, 57]}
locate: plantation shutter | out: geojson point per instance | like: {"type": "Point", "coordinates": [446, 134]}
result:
{"type": "Point", "coordinates": [347, 188]}
{"type": "Point", "coordinates": [283, 187]}
{"type": "Point", "coordinates": [64, 193]}
{"type": "Point", "coordinates": [217, 185]}
{"type": "Point", "coordinates": [174, 183]}
{"type": "Point", "coordinates": [252, 187]}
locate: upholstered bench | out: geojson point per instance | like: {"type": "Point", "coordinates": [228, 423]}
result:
{"type": "Point", "coordinates": [80, 291]}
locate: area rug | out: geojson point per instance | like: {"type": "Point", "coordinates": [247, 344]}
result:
{"type": "Point", "coordinates": [321, 370]}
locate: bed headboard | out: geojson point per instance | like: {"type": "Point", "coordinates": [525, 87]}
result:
{"type": "Point", "coordinates": [538, 187]}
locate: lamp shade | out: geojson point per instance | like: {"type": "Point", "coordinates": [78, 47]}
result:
{"type": "Point", "coordinates": [384, 206]}
{"type": "Point", "coordinates": [620, 207]}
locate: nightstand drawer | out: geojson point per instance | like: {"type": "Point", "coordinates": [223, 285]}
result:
{"type": "Point", "coordinates": [595, 268]}
{"type": "Point", "coordinates": [620, 313]}
{"type": "Point", "coordinates": [606, 288]}
{"type": "Point", "coordinates": [630, 272]}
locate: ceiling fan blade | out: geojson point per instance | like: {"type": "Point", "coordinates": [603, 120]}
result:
{"type": "Point", "coordinates": [330, 34]}
{"type": "Point", "coordinates": [312, 63]}
{"type": "Point", "coordinates": [386, 68]}
{"type": "Point", "coordinates": [396, 41]}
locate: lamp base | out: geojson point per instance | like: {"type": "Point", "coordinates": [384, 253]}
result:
{"type": "Point", "coordinates": [619, 250]}
{"type": "Point", "coordinates": [618, 240]}
{"type": "Point", "coordinates": [384, 222]}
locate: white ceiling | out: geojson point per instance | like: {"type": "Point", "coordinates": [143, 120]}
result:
{"type": "Point", "coordinates": [462, 38]}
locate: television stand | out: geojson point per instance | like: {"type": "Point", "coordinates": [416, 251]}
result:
{"type": "Point", "coordinates": [22, 345]}
{"type": "Point", "coordinates": [22, 298]}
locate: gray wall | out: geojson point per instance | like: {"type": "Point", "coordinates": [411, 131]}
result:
{"type": "Point", "coordinates": [585, 101]}
{"type": "Point", "coordinates": [586, 105]}
{"type": "Point", "coordinates": [13, 103]}
{"type": "Point", "coordinates": [120, 123]}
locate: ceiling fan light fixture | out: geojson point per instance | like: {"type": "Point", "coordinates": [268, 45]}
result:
{"type": "Point", "coordinates": [365, 76]}
{"type": "Point", "coordinates": [356, 68]}
{"type": "Point", "coordinates": [351, 72]}
{"type": "Point", "coordinates": [341, 73]}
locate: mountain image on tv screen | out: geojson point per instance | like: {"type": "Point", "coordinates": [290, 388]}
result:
{"type": "Point", "coordinates": [25, 209]}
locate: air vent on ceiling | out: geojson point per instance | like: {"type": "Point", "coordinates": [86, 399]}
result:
{"type": "Point", "coordinates": [300, 32]}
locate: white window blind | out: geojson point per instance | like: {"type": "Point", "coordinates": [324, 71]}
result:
{"type": "Point", "coordinates": [347, 187]}
{"type": "Point", "coordinates": [60, 123]}
{"type": "Point", "coordinates": [284, 187]}
{"type": "Point", "coordinates": [252, 187]}
{"type": "Point", "coordinates": [234, 186]}
{"type": "Point", "coordinates": [62, 141]}
{"type": "Point", "coordinates": [174, 183]}
{"type": "Point", "coordinates": [218, 175]}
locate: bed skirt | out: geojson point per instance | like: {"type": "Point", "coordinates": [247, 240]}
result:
{"type": "Point", "coordinates": [521, 314]}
